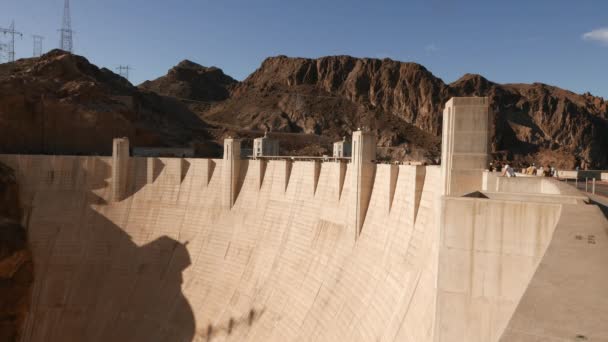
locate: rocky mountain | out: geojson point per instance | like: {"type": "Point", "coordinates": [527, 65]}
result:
{"type": "Point", "coordinates": [189, 80]}
{"type": "Point", "coordinates": [335, 95]}
{"type": "Point", "coordinates": [16, 267]}
{"type": "Point", "coordinates": [404, 103]}
{"type": "Point", "coordinates": [406, 89]}
{"type": "Point", "coordinates": [62, 104]}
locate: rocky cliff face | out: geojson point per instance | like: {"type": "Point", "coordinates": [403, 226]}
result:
{"type": "Point", "coordinates": [189, 80]}
{"type": "Point", "coordinates": [62, 104]}
{"type": "Point", "coordinates": [16, 268]}
{"type": "Point", "coordinates": [335, 95]}
{"type": "Point", "coordinates": [406, 89]}
{"type": "Point", "coordinates": [545, 123]}
{"type": "Point", "coordinates": [404, 103]}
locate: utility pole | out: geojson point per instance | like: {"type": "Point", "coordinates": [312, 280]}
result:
{"type": "Point", "coordinates": [37, 45]}
{"type": "Point", "coordinates": [66, 43]}
{"type": "Point", "coordinates": [11, 46]}
{"type": "Point", "coordinates": [123, 70]}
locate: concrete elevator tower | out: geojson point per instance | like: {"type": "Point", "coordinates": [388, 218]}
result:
{"type": "Point", "coordinates": [230, 171]}
{"type": "Point", "coordinates": [120, 167]}
{"type": "Point", "coordinates": [265, 147]}
{"type": "Point", "coordinates": [465, 148]}
{"type": "Point", "coordinates": [363, 172]}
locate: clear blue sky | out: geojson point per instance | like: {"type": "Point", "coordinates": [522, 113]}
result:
{"type": "Point", "coordinates": [505, 41]}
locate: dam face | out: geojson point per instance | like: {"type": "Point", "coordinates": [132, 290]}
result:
{"type": "Point", "coordinates": [169, 249]}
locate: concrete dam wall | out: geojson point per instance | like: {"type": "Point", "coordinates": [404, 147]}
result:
{"type": "Point", "coordinates": [170, 261]}
{"type": "Point", "coordinates": [168, 249]}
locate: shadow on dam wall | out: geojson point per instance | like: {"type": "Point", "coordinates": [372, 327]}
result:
{"type": "Point", "coordinates": [93, 283]}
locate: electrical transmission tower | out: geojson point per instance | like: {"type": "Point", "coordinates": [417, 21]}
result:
{"type": "Point", "coordinates": [11, 46]}
{"type": "Point", "coordinates": [3, 50]}
{"type": "Point", "coordinates": [66, 43]}
{"type": "Point", "coordinates": [37, 45]}
{"type": "Point", "coordinates": [123, 70]}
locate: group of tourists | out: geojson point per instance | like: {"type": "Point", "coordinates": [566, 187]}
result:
{"type": "Point", "coordinates": [508, 171]}
{"type": "Point", "coordinates": [548, 171]}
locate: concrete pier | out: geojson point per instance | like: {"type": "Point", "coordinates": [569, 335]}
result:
{"type": "Point", "coordinates": [230, 171]}
{"type": "Point", "coordinates": [120, 167]}
{"type": "Point", "coordinates": [363, 171]}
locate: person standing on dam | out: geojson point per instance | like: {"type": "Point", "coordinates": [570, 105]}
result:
{"type": "Point", "coordinates": [508, 171]}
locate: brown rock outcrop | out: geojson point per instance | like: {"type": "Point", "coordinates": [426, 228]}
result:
{"type": "Point", "coordinates": [16, 267]}
{"type": "Point", "coordinates": [62, 104]}
{"type": "Point", "coordinates": [406, 89]}
{"type": "Point", "coordinates": [189, 80]}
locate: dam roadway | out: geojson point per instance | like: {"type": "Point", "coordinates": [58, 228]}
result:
{"type": "Point", "coordinates": [171, 249]}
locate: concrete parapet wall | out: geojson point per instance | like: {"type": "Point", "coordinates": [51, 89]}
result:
{"type": "Point", "coordinates": [537, 198]}
{"type": "Point", "coordinates": [568, 174]}
{"type": "Point", "coordinates": [494, 182]}
{"type": "Point", "coordinates": [527, 184]}
{"type": "Point", "coordinates": [176, 152]}
{"type": "Point", "coordinates": [489, 181]}
{"type": "Point", "coordinates": [581, 174]}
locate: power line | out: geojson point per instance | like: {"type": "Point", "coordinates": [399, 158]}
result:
{"type": "Point", "coordinates": [11, 46]}
{"type": "Point", "coordinates": [66, 43]}
{"type": "Point", "coordinates": [37, 45]}
{"type": "Point", "coordinates": [123, 70]}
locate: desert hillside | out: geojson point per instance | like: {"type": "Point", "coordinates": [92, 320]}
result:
{"type": "Point", "coordinates": [62, 104]}
{"type": "Point", "coordinates": [189, 80]}
{"type": "Point", "coordinates": [404, 103]}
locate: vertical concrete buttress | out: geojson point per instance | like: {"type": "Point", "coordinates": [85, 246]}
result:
{"type": "Point", "coordinates": [392, 184]}
{"type": "Point", "coordinates": [342, 177]}
{"type": "Point", "coordinates": [230, 171]}
{"type": "Point", "coordinates": [316, 175]}
{"type": "Point", "coordinates": [120, 167]}
{"type": "Point", "coordinates": [363, 172]}
{"type": "Point", "coordinates": [150, 164]}
{"type": "Point", "coordinates": [415, 192]}
{"type": "Point", "coordinates": [258, 166]}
